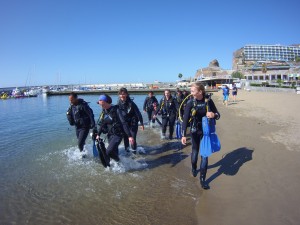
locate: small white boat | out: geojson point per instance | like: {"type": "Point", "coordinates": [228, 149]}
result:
{"type": "Point", "coordinates": [16, 93]}
{"type": "Point", "coordinates": [31, 93]}
{"type": "Point", "coordinates": [45, 89]}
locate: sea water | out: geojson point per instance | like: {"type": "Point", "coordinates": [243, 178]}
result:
{"type": "Point", "coordinates": [45, 180]}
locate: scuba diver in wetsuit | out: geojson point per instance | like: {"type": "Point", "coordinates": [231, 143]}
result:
{"type": "Point", "coordinates": [168, 108]}
{"type": "Point", "coordinates": [194, 110]}
{"type": "Point", "coordinates": [148, 107]}
{"type": "Point", "coordinates": [81, 116]}
{"type": "Point", "coordinates": [185, 93]}
{"type": "Point", "coordinates": [132, 116]}
{"type": "Point", "coordinates": [112, 122]}
{"type": "Point", "coordinates": [179, 99]}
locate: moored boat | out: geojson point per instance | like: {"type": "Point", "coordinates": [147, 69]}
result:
{"type": "Point", "coordinates": [4, 95]}
{"type": "Point", "coordinates": [17, 93]}
{"type": "Point", "coordinates": [31, 93]}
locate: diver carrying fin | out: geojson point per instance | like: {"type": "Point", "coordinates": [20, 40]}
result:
{"type": "Point", "coordinates": [111, 123]}
{"type": "Point", "coordinates": [102, 152]}
{"type": "Point", "coordinates": [99, 149]}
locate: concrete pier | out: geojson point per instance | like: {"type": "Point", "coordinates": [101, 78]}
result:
{"type": "Point", "coordinates": [115, 92]}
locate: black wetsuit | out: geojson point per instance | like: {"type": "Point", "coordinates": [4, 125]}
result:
{"type": "Point", "coordinates": [81, 115]}
{"type": "Point", "coordinates": [193, 113]}
{"type": "Point", "coordinates": [112, 123]}
{"type": "Point", "coordinates": [132, 116]}
{"type": "Point", "coordinates": [168, 110]}
{"type": "Point", "coordinates": [149, 108]}
{"type": "Point", "coordinates": [179, 100]}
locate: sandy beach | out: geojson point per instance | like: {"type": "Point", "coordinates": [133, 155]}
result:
{"type": "Point", "coordinates": [255, 177]}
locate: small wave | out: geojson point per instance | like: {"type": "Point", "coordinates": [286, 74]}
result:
{"type": "Point", "coordinates": [73, 154]}
{"type": "Point", "coordinates": [128, 161]}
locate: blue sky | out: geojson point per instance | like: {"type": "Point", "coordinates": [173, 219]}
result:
{"type": "Point", "coordinates": [113, 41]}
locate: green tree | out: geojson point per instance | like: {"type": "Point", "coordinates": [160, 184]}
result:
{"type": "Point", "coordinates": [264, 68]}
{"type": "Point", "coordinates": [279, 82]}
{"type": "Point", "coordinates": [297, 59]}
{"type": "Point", "coordinates": [180, 75]}
{"type": "Point", "coordinates": [237, 74]}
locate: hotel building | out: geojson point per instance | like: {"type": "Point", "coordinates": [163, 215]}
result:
{"type": "Point", "coordinates": [268, 62]}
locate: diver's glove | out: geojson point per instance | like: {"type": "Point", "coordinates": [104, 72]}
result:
{"type": "Point", "coordinates": [94, 133]}
{"type": "Point", "coordinates": [70, 117]}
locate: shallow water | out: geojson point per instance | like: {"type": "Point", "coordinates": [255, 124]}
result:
{"type": "Point", "coordinates": [45, 180]}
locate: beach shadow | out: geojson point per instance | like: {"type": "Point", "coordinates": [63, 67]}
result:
{"type": "Point", "coordinates": [170, 154]}
{"type": "Point", "coordinates": [231, 163]}
{"type": "Point", "coordinates": [167, 146]}
{"type": "Point", "coordinates": [172, 159]}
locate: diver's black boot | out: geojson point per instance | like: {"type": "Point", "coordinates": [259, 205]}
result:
{"type": "Point", "coordinates": [134, 147]}
{"type": "Point", "coordinates": [194, 170]}
{"type": "Point", "coordinates": [203, 183]}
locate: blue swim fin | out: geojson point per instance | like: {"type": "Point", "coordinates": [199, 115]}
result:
{"type": "Point", "coordinates": [95, 151]}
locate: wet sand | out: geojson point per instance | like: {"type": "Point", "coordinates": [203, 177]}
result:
{"type": "Point", "coordinates": [255, 178]}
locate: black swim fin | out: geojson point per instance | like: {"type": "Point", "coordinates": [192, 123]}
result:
{"type": "Point", "coordinates": [102, 153]}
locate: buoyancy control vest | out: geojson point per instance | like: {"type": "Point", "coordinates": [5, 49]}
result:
{"type": "Point", "coordinates": [168, 107]}
{"type": "Point", "coordinates": [129, 112]}
{"type": "Point", "coordinates": [109, 122]}
{"type": "Point", "coordinates": [149, 103]}
{"type": "Point", "coordinates": [80, 115]}
{"type": "Point", "coordinates": [197, 112]}
{"type": "Point", "coordinates": [179, 99]}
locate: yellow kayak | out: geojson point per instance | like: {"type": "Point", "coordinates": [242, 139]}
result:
{"type": "Point", "coordinates": [4, 96]}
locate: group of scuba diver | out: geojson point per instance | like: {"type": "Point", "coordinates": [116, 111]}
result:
{"type": "Point", "coordinates": [121, 121]}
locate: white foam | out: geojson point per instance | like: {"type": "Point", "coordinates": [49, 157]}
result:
{"type": "Point", "coordinates": [127, 164]}
{"type": "Point", "coordinates": [73, 153]}
{"type": "Point", "coordinates": [128, 161]}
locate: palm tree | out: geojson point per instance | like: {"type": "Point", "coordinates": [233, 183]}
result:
{"type": "Point", "coordinates": [180, 76]}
